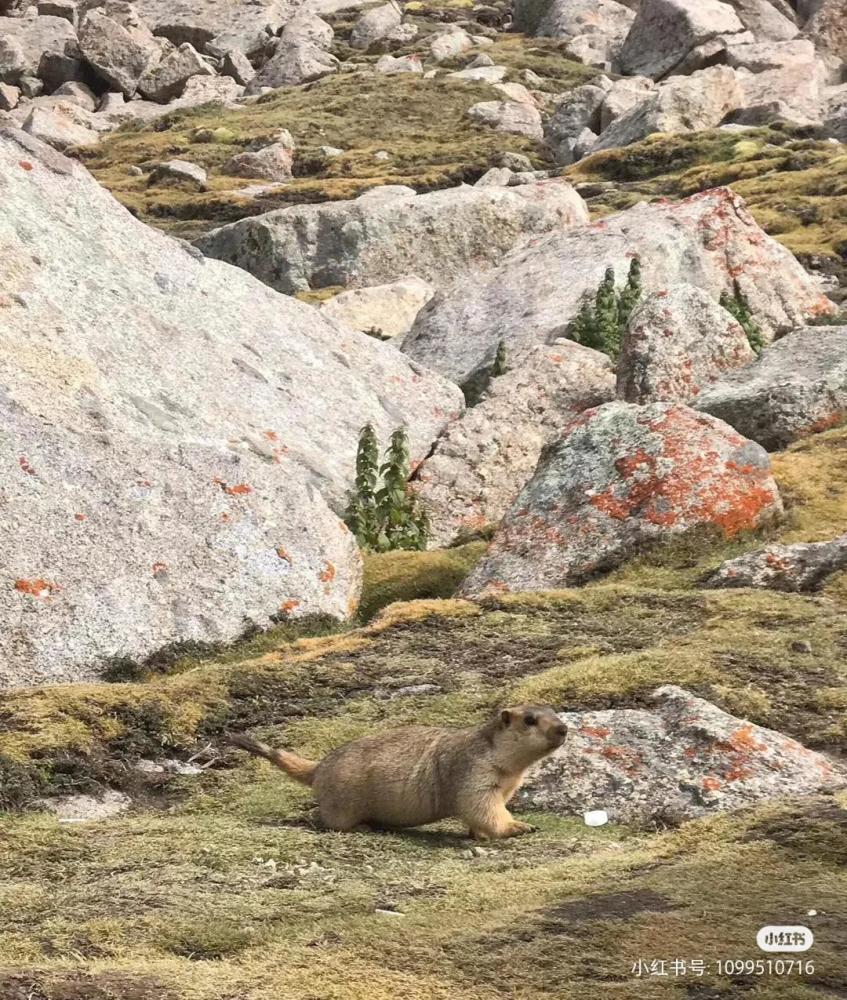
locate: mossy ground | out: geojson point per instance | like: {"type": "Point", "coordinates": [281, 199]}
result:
{"type": "Point", "coordinates": [223, 886]}
{"type": "Point", "coordinates": [794, 185]}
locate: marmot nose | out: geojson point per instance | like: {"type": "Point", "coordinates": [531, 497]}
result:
{"type": "Point", "coordinates": [559, 733]}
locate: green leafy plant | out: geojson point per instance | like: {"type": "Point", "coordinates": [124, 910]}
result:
{"type": "Point", "coordinates": [602, 319]}
{"type": "Point", "coordinates": [382, 513]}
{"type": "Point", "coordinates": [738, 306]}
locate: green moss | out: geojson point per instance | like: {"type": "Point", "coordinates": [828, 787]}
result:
{"type": "Point", "coordinates": [794, 186]}
{"type": "Point", "coordinates": [421, 123]}
{"type": "Point", "coordinates": [407, 576]}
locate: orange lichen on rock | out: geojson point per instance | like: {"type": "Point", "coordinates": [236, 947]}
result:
{"type": "Point", "coordinates": [36, 588]}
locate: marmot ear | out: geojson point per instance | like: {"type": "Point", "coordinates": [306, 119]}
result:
{"type": "Point", "coordinates": [505, 716]}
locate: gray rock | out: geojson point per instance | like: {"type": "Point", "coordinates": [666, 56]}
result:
{"type": "Point", "coordinates": [535, 293]}
{"type": "Point", "coordinates": [796, 388]}
{"type": "Point", "coordinates": [9, 97]}
{"type": "Point", "coordinates": [119, 54]}
{"type": "Point", "coordinates": [235, 64]}
{"type": "Point", "coordinates": [167, 79]}
{"type": "Point", "coordinates": [766, 21]}
{"type": "Point", "coordinates": [623, 477]}
{"type": "Point", "coordinates": [179, 172]}
{"type": "Point", "coordinates": [42, 47]}
{"type": "Point", "coordinates": [205, 90]}
{"type": "Point", "coordinates": [386, 310]}
{"type": "Point", "coordinates": [293, 63]}
{"type": "Point", "coordinates": [374, 25]}
{"type": "Point", "coordinates": [484, 459]}
{"type": "Point", "coordinates": [792, 568]}
{"type": "Point", "coordinates": [604, 20]}
{"type": "Point", "coordinates": [156, 496]}
{"type": "Point", "coordinates": [783, 73]}
{"type": "Point", "coordinates": [679, 340]}
{"type": "Point", "coordinates": [66, 9]}
{"type": "Point", "coordinates": [308, 27]}
{"type": "Point", "coordinates": [79, 94]}
{"type": "Point", "coordinates": [623, 95]}
{"type": "Point", "coordinates": [390, 233]}
{"type": "Point", "coordinates": [86, 808]}
{"type": "Point", "coordinates": [678, 760]}
{"type": "Point", "coordinates": [450, 43]}
{"type": "Point", "coordinates": [272, 163]}
{"type": "Point", "coordinates": [483, 74]}
{"type": "Point", "coordinates": [665, 31]}
{"type": "Point", "coordinates": [827, 28]}
{"type": "Point", "coordinates": [835, 124]}
{"type": "Point", "coordinates": [222, 25]}
{"type": "Point", "coordinates": [62, 126]}
{"type": "Point", "coordinates": [495, 177]}
{"type": "Point", "coordinates": [512, 117]}
{"type": "Point", "coordinates": [681, 104]}
{"type": "Point", "coordinates": [579, 110]}
{"type": "Point", "coordinates": [399, 64]}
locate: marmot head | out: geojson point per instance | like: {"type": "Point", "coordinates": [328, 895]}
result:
{"type": "Point", "coordinates": [533, 730]}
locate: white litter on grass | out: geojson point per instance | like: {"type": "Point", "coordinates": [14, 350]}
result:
{"type": "Point", "coordinates": [598, 817]}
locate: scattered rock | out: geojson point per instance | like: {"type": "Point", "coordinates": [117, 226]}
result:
{"type": "Point", "coordinates": [388, 234]}
{"type": "Point", "coordinates": [235, 64]}
{"type": "Point", "coordinates": [167, 79]}
{"type": "Point", "coordinates": [77, 93]}
{"type": "Point", "coordinates": [272, 163]}
{"type": "Point", "coordinates": [450, 43]}
{"type": "Point", "coordinates": [375, 24]}
{"type": "Point", "coordinates": [792, 568]}
{"type": "Point", "coordinates": [681, 759]}
{"type": "Point", "coordinates": [621, 477]}
{"type": "Point", "coordinates": [399, 64]}
{"type": "Point", "coordinates": [43, 48]}
{"type": "Point", "coordinates": [681, 104]}
{"type": "Point", "coordinates": [9, 97]}
{"type": "Point", "coordinates": [515, 118]}
{"type": "Point", "coordinates": [679, 341]}
{"type": "Point", "coordinates": [120, 53]}
{"type": "Point", "coordinates": [85, 808]}
{"type": "Point", "coordinates": [63, 125]}
{"type": "Point", "coordinates": [178, 172]}
{"type": "Point", "coordinates": [665, 31]}
{"type": "Point", "coordinates": [796, 388]}
{"type": "Point", "coordinates": [709, 240]}
{"type": "Point", "coordinates": [484, 459]}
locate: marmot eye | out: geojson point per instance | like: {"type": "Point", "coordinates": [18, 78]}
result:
{"type": "Point", "coordinates": [529, 719]}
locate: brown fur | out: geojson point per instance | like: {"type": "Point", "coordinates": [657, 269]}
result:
{"type": "Point", "coordinates": [420, 774]}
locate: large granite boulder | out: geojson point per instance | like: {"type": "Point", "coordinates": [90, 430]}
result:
{"type": "Point", "coordinates": [118, 50]}
{"type": "Point", "coordinates": [665, 31]}
{"type": "Point", "coordinates": [679, 340]}
{"type": "Point", "coordinates": [767, 22]}
{"type": "Point", "coordinates": [385, 235]}
{"type": "Point", "coordinates": [827, 28]}
{"type": "Point", "coordinates": [681, 104]}
{"type": "Point", "coordinates": [595, 29]}
{"type": "Point", "coordinates": [43, 47]}
{"type": "Point", "coordinates": [680, 759]}
{"type": "Point", "coordinates": [484, 459]}
{"type": "Point", "coordinates": [803, 566]}
{"type": "Point", "coordinates": [167, 79]}
{"type": "Point", "coordinates": [374, 24]}
{"type": "Point", "coordinates": [179, 436]}
{"type": "Point", "coordinates": [222, 25]}
{"type": "Point", "coordinates": [796, 388]}
{"type": "Point", "coordinates": [621, 477]}
{"type": "Point", "coordinates": [709, 240]}
{"type": "Point", "coordinates": [511, 117]}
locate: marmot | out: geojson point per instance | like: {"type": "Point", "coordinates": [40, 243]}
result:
{"type": "Point", "coordinates": [420, 774]}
